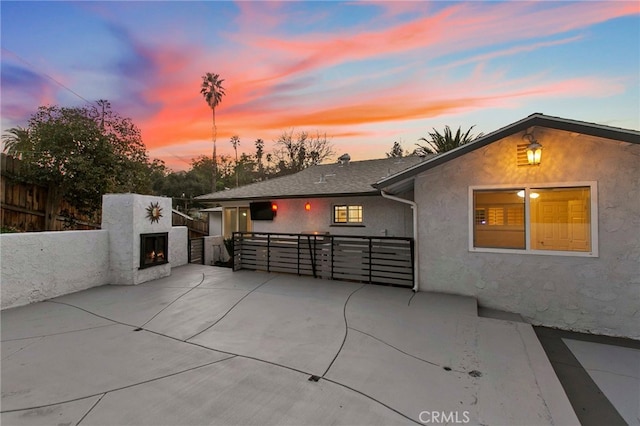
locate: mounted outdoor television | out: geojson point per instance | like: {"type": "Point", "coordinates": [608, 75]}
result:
{"type": "Point", "coordinates": [262, 210]}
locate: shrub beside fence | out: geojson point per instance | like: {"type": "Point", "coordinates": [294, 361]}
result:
{"type": "Point", "coordinates": [23, 205]}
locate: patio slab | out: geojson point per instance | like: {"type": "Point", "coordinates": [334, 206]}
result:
{"type": "Point", "coordinates": [381, 355]}
{"type": "Point", "coordinates": [413, 323]}
{"type": "Point", "coordinates": [240, 391]}
{"type": "Point", "coordinates": [131, 305]}
{"type": "Point", "coordinates": [69, 413]}
{"type": "Point", "coordinates": [182, 276]}
{"type": "Point", "coordinates": [363, 364]}
{"type": "Point", "coordinates": [45, 319]}
{"type": "Point", "coordinates": [239, 280]}
{"type": "Point", "coordinates": [74, 365]}
{"type": "Point", "coordinates": [194, 312]}
{"type": "Point", "coordinates": [616, 371]}
{"type": "Point", "coordinates": [292, 321]}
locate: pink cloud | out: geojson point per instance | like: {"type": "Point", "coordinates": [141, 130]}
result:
{"type": "Point", "coordinates": [274, 83]}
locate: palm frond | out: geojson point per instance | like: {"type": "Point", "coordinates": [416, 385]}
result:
{"type": "Point", "coordinates": [17, 141]}
{"type": "Point", "coordinates": [212, 89]}
{"type": "Point", "coordinates": [442, 142]}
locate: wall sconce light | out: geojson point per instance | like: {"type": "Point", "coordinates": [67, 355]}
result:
{"type": "Point", "coordinates": [307, 206]}
{"type": "Point", "coordinates": [534, 150]}
{"type": "Point", "coordinates": [274, 207]}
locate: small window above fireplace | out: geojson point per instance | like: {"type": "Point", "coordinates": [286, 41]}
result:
{"type": "Point", "coordinates": [154, 249]}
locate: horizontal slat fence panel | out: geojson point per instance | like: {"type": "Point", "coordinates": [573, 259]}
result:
{"type": "Point", "coordinates": [383, 260]}
{"type": "Point", "coordinates": [196, 250]}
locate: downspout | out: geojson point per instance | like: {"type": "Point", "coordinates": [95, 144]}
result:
{"type": "Point", "coordinates": [416, 257]}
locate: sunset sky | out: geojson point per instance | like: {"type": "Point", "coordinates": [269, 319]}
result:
{"type": "Point", "coordinates": [365, 73]}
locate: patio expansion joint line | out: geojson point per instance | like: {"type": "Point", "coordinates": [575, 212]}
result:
{"type": "Point", "coordinates": [346, 329]}
{"type": "Point", "coordinates": [174, 301]}
{"type": "Point", "coordinates": [103, 393]}
{"type": "Point", "coordinates": [91, 409]}
{"type": "Point", "coordinates": [94, 314]}
{"type": "Point", "coordinates": [568, 364]}
{"type": "Point", "coordinates": [535, 377]}
{"type": "Point", "coordinates": [599, 370]}
{"type": "Point", "coordinates": [38, 339]}
{"type": "Point", "coordinates": [407, 353]}
{"type": "Point", "coordinates": [231, 354]}
{"type": "Point", "coordinates": [373, 399]}
{"type": "Point", "coordinates": [230, 309]}
{"type": "Point", "coordinates": [55, 334]}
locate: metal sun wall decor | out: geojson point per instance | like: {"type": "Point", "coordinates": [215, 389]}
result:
{"type": "Point", "coordinates": [154, 212]}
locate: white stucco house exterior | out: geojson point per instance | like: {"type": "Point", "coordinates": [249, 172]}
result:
{"type": "Point", "coordinates": [327, 198]}
{"type": "Point", "coordinates": [557, 242]}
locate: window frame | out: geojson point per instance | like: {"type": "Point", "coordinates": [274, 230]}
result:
{"type": "Point", "coordinates": [528, 187]}
{"type": "Point", "coordinates": [347, 222]}
{"type": "Point", "coordinates": [235, 211]}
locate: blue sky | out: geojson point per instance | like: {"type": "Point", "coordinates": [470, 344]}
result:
{"type": "Point", "coordinates": [365, 73]}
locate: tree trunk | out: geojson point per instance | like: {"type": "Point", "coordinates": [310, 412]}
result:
{"type": "Point", "coordinates": [215, 158]}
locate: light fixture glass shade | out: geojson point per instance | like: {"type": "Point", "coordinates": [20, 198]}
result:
{"type": "Point", "coordinates": [534, 153]}
{"type": "Point", "coordinates": [307, 206]}
{"type": "Point", "coordinates": [531, 194]}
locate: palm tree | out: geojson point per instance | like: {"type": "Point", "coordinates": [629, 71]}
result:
{"type": "Point", "coordinates": [439, 143]}
{"type": "Point", "coordinates": [213, 91]}
{"type": "Point", "coordinates": [17, 142]}
{"type": "Point", "coordinates": [235, 141]}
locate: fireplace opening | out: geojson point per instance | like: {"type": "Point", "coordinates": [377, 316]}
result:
{"type": "Point", "coordinates": [154, 249]}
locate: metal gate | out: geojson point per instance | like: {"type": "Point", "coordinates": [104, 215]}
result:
{"type": "Point", "coordinates": [383, 260]}
{"type": "Point", "coordinates": [196, 250]}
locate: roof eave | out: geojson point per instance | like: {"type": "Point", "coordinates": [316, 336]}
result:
{"type": "Point", "coordinates": [537, 119]}
{"type": "Point", "coordinates": [373, 192]}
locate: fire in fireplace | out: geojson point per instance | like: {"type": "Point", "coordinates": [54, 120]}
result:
{"type": "Point", "coordinates": [154, 249]}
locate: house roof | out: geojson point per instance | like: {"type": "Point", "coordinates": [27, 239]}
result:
{"type": "Point", "coordinates": [323, 180]}
{"type": "Point", "coordinates": [403, 179]}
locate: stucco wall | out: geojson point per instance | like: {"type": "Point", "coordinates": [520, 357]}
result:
{"type": "Point", "coordinates": [125, 217]}
{"type": "Point", "coordinates": [380, 217]}
{"type": "Point", "coordinates": [178, 246]}
{"type": "Point", "coordinates": [215, 250]}
{"type": "Point", "coordinates": [599, 295]}
{"type": "Point", "coordinates": [215, 223]}
{"type": "Point", "coordinates": [42, 265]}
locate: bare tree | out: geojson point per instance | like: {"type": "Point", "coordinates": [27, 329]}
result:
{"type": "Point", "coordinates": [396, 151]}
{"type": "Point", "coordinates": [297, 151]}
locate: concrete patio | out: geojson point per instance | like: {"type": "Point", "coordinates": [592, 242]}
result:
{"type": "Point", "coordinates": [210, 346]}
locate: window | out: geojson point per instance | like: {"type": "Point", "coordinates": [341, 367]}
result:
{"type": "Point", "coordinates": [347, 214]}
{"type": "Point", "coordinates": [542, 219]}
{"type": "Point", "coordinates": [236, 219]}
{"type": "Point", "coordinates": [499, 219]}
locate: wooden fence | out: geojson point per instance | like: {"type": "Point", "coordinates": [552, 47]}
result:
{"type": "Point", "coordinates": [383, 260]}
{"type": "Point", "coordinates": [23, 205]}
{"type": "Point", "coordinates": [196, 250]}
{"type": "Point", "coordinates": [197, 228]}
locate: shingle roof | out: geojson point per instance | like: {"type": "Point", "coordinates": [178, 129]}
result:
{"type": "Point", "coordinates": [324, 180]}
{"type": "Point", "coordinates": [398, 180]}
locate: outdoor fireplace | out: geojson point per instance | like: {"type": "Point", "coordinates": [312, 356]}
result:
{"type": "Point", "coordinates": [154, 249]}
